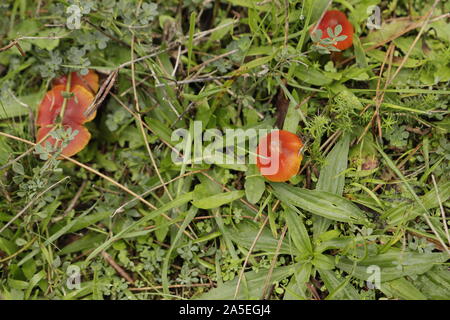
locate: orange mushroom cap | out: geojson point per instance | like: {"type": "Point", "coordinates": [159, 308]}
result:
{"type": "Point", "coordinates": [89, 81]}
{"type": "Point", "coordinates": [279, 155]}
{"type": "Point", "coordinates": [74, 118]}
{"type": "Point", "coordinates": [331, 19]}
{"type": "Point", "coordinates": [51, 105]}
{"type": "Point", "coordinates": [77, 105]}
{"type": "Point", "coordinates": [78, 143]}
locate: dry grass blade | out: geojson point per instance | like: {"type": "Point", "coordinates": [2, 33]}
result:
{"type": "Point", "coordinates": [247, 257]}
{"type": "Point", "coordinates": [102, 93]}
{"type": "Point", "coordinates": [141, 126]}
{"type": "Point", "coordinates": [116, 267]}
{"type": "Point", "coordinates": [250, 250]}
{"type": "Point", "coordinates": [273, 262]}
{"type": "Point", "coordinates": [411, 47]}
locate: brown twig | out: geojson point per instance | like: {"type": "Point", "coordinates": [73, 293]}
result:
{"type": "Point", "coordinates": [273, 262]}
{"type": "Point", "coordinates": [116, 267]}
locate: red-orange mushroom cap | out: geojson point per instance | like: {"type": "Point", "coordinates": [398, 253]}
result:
{"type": "Point", "coordinates": [89, 81]}
{"type": "Point", "coordinates": [77, 105]}
{"type": "Point", "coordinates": [78, 143]}
{"type": "Point", "coordinates": [51, 106]}
{"type": "Point", "coordinates": [279, 155]}
{"type": "Point", "coordinates": [50, 109]}
{"type": "Point", "coordinates": [331, 19]}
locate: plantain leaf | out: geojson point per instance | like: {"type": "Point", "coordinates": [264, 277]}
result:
{"type": "Point", "coordinates": [321, 203]}
{"type": "Point", "coordinates": [346, 292]}
{"type": "Point", "coordinates": [297, 289]}
{"type": "Point", "coordinates": [298, 233]}
{"type": "Point", "coordinates": [245, 233]}
{"type": "Point", "coordinates": [403, 289]}
{"type": "Point", "coordinates": [251, 288]}
{"type": "Point", "coordinates": [331, 178]}
{"type": "Point", "coordinates": [435, 284]}
{"type": "Point", "coordinates": [393, 264]}
{"type": "Point", "coordinates": [218, 200]}
{"type": "Point", "coordinates": [254, 185]}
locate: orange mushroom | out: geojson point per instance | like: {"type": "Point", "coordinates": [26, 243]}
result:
{"type": "Point", "coordinates": [330, 20]}
{"type": "Point", "coordinates": [279, 155]}
{"type": "Point", "coordinates": [89, 81]}
{"type": "Point", "coordinates": [50, 109]}
{"type": "Point", "coordinates": [51, 105]}
{"type": "Point", "coordinates": [74, 146]}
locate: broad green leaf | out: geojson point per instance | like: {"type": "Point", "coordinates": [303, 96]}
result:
{"type": "Point", "coordinates": [297, 289]}
{"type": "Point", "coordinates": [321, 203]}
{"type": "Point", "coordinates": [245, 233]}
{"type": "Point", "coordinates": [331, 178]}
{"type": "Point", "coordinates": [311, 76]}
{"type": "Point", "coordinates": [218, 200]}
{"type": "Point", "coordinates": [254, 185]}
{"type": "Point", "coordinates": [442, 29]}
{"type": "Point", "coordinates": [11, 108]}
{"type": "Point", "coordinates": [5, 154]}
{"type": "Point", "coordinates": [33, 282]}
{"type": "Point", "coordinates": [435, 284]}
{"type": "Point", "coordinates": [254, 4]}
{"type": "Point", "coordinates": [75, 225]}
{"type": "Point", "coordinates": [404, 44]}
{"type": "Point", "coordinates": [298, 233]}
{"type": "Point", "coordinates": [7, 246]}
{"type": "Point", "coordinates": [294, 114]}
{"type": "Point", "coordinates": [47, 44]}
{"type": "Point", "coordinates": [337, 243]}
{"type": "Point", "coordinates": [323, 261]}
{"type": "Point", "coordinates": [394, 264]}
{"type": "Point", "coordinates": [90, 240]}
{"type": "Point", "coordinates": [18, 284]}
{"type": "Point", "coordinates": [332, 283]}
{"type": "Point", "coordinates": [84, 221]}
{"type": "Point", "coordinates": [86, 288]}
{"type": "Point", "coordinates": [29, 269]}
{"type": "Point", "coordinates": [160, 129]}
{"type": "Point", "coordinates": [387, 31]}
{"type": "Point", "coordinates": [256, 63]}
{"type": "Point", "coordinates": [380, 56]}
{"type": "Point", "coordinates": [403, 289]}
{"type": "Point", "coordinates": [251, 288]}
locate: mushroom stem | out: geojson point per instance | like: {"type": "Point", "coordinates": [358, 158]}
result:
{"type": "Point", "coordinates": [64, 105]}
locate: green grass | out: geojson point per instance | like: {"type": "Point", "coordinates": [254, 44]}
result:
{"type": "Point", "coordinates": [371, 201]}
